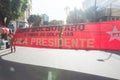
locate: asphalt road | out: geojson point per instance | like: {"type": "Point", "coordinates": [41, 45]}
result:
{"type": "Point", "coordinates": [16, 71]}
{"type": "Point", "coordinates": [55, 64]}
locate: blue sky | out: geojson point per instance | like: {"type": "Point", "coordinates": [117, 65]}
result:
{"type": "Point", "coordinates": [55, 9]}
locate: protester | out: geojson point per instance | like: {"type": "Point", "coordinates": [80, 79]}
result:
{"type": "Point", "coordinates": [11, 39]}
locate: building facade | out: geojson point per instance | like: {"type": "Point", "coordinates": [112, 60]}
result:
{"type": "Point", "coordinates": [44, 19]}
{"type": "Point", "coordinates": [105, 10]}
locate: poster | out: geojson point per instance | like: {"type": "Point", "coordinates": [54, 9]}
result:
{"type": "Point", "coordinates": [100, 36]}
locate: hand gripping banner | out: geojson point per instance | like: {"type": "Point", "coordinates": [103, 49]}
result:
{"type": "Point", "coordinates": [101, 36]}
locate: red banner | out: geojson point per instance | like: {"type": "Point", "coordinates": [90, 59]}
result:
{"type": "Point", "coordinates": [102, 35]}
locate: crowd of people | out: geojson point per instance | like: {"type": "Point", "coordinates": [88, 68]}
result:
{"type": "Point", "coordinates": [7, 39]}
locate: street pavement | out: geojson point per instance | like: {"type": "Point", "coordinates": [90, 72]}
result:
{"type": "Point", "coordinates": [60, 64]}
{"type": "Point", "coordinates": [17, 71]}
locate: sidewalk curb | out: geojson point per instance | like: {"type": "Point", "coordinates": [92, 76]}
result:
{"type": "Point", "coordinates": [4, 51]}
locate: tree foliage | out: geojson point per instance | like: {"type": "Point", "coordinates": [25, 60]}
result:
{"type": "Point", "coordinates": [80, 16]}
{"type": "Point", "coordinates": [12, 9]}
{"type": "Point", "coordinates": [34, 20]}
{"type": "Point", "coordinates": [56, 22]}
{"type": "Point", "coordinates": [90, 15]}
{"type": "Point", "coordinates": [75, 16]}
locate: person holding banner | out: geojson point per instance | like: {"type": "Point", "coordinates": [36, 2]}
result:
{"type": "Point", "coordinates": [11, 39]}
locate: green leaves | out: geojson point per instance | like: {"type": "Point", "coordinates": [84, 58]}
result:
{"type": "Point", "coordinates": [75, 16]}
{"type": "Point", "coordinates": [90, 14]}
{"type": "Point", "coordinates": [34, 20]}
{"type": "Point", "coordinates": [12, 9]}
{"type": "Point", "coordinates": [80, 16]}
{"type": "Point", "coordinates": [56, 22]}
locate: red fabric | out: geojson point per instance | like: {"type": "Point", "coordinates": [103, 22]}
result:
{"type": "Point", "coordinates": [5, 30]}
{"type": "Point", "coordinates": [102, 35]}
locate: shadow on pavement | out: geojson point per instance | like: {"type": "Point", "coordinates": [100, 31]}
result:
{"type": "Point", "coordinates": [113, 52]}
{"type": "Point", "coordinates": [6, 54]}
{"type": "Point", "coordinates": [17, 71]}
